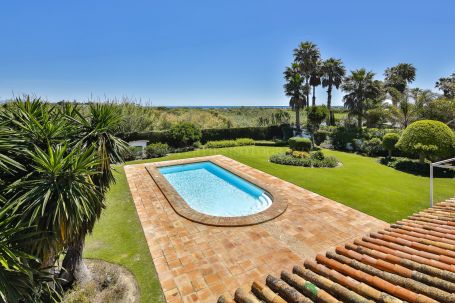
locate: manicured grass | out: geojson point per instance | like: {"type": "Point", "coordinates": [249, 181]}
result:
{"type": "Point", "coordinates": [118, 238]}
{"type": "Point", "coordinates": [361, 183]}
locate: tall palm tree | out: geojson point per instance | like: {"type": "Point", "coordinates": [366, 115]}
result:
{"type": "Point", "coordinates": [333, 72]}
{"type": "Point", "coordinates": [361, 88]}
{"type": "Point", "coordinates": [307, 56]}
{"type": "Point", "coordinates": [447, 85]}
{"type": "Point", "coordinates": [315, 80]}
{"type": "Point", "coordinates": [296, 90]}
{"type": "Point", "coordinates": [404, 113]}
{"type": "Point", "coordinates": [398, 77]}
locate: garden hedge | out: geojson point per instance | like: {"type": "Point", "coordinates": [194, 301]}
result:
{"type": "Point", "coordinates": [211, 134]}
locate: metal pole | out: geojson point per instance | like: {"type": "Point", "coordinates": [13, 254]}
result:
{"type": "Point", "coordinates": [431, 184]}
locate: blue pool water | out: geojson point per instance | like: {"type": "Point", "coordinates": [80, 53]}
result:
{"type": "Point", "coordinates": [212, 190]}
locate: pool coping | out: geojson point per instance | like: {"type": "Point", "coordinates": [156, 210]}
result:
{"type": "Point", "coordinates": [278, 207]}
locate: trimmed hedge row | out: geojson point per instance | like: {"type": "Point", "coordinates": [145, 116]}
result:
{"type": "Point", "coordinates": [211, 134]}
{"type": "Point", "coordinates": [229, 143]}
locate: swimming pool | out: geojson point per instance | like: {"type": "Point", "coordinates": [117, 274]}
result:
{"type": "Point", "coordinates": [212, 190]}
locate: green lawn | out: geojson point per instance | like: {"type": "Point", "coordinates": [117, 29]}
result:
{"type": "Point", "coordinates": [361, 183]}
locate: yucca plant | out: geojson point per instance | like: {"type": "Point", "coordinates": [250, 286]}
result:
{"type": "Point", "coordinates": [65, 170]}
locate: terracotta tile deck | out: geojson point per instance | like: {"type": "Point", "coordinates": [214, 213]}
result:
{"type": "Point", "coordinates": [198, 263]}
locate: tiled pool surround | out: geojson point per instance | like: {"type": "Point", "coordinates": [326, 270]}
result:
{"type": "Point", "coordinates": [278, 206]}
{"type": "Point", "coordinates": [198, 263]}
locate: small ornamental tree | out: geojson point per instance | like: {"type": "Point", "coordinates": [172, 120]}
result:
{"type": "Point", "coordinates": [388, 142]}
{"type": "Point", "coordinates": [184, 134]}
{"type": "Point", "coordinates": [315, 116]}
{"type": "Point", "coordinates": [429, 139]}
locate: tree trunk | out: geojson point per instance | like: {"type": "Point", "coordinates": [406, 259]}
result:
{"type": "Point", "coordinates": [390, 153]}
{"type": "Point", "coordinates": [73, 267]}
{"type": "Point", "coordinates": [359, 121]}
{"type": "Point", "coordinates": [329, 106]}
{"type": "Point", "coordinates": [297, 118]}
{"type": "Point", "coordinates": [307, 91]}
{"type": "Point", "coordinates": [314, 95]}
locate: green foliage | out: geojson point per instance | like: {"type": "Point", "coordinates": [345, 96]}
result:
{"type": "Point", "coordinates": [342, 136]}
{"type": "Point", "coordinates": [315, 116]}
{"type": "Point", "coordinates": [375, 117]}
{"type": "Point", "coordinates": [372, 147]}
{"type": "Point", "coordinates": [320, 136]}
{"type": "Point", "coordinates": [65, 159]}
{"type": "Point", "coordinates": [156, 150]}
{"type": "Point", "coordinates": [440, 109]}
{"type": "Point", "coordinates": [256, 133]}
{"type": "Point", "coordinates": [184, 134]}
{"type": "Point", "coordinates": [285, 159]}
{"type": "Point", "coordinates": [213, 134]}
{"type": "Point", "coordinates": [229, 143]}
{"type": "Point", "coordinates": [300, 144]}
{"type": "Point", "coordinates": [271, 143]}
{"type": "Point", "coordinates": [317, 155]}
{"type": "Point", "coordinates": [389, 141]}
{"type": "Point", "coordinates": [244, 141]}
{"type": "Point", "coordinates": [428, 138]}
{"type": "Point", "coordinates": [417, 168]}
{"type": "Point", "coordinates": [132, 153]}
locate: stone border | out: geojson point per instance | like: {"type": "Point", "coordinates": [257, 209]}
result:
{"type": "Point", "coordinates": [278, 206]}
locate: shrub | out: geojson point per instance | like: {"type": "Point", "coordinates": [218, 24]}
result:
{"type": "Point", "coordinates": [372, 147]}
{"type": "Point", "coordinates": [211, 134]}
{"type": "Point", "coordinates": [184, 134]}
{"type": "Point", "coordinates": [132, 153]}
{"type": "Point", "coordinates": [299, 154]}
{"type": "Point", "coordinates": [157, 150]}
{"type": "Point", "coordinates": [427, 138]}
{"type": "Point", "coordinates": [229, 143]}
{"type": "Point", "coordinates": [415, 167]}
{"type": "Point", "coordinates": [320, 136]}
{"type": "Point", "coordinates": [300, 144]}
{"type": "Point", "coordinates": [316, 115]}
{"type": "Point", "coordinates": [285, 159]}
{"type": "Point", "coordinates": [256, 133]}
{"type": "Point", "coordinates": [271, 143]}
{"type": "Point", "coordinates": [244, 141]}
{"type": "Point", "coordinates": [221, 143]}
{"type": "Point", "coordinates": [388, 142]}
{"type": "Point", "coordinates": [342, 136]}
{"type": "Point", "coordinates": [317, 155]}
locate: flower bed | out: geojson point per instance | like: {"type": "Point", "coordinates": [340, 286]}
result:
{"type": "Point", "coordinates": [296, 158]}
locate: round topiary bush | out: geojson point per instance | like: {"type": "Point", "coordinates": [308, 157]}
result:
{"type": "Point", "coordinates": [389, 141]}
{"type": "Point", "coordinates": [300, 144]}
{"type": "Point", "coordinates": [427, 138]}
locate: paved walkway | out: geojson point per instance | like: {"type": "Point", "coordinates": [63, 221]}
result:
{"type": "Point", "coordinates": [198, 263]}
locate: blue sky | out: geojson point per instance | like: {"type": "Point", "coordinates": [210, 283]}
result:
{"type": "Point", "coordinates": [209, 52]}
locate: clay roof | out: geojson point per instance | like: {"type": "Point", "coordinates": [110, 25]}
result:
{"type": "Point", "coordinates": [411, 261]}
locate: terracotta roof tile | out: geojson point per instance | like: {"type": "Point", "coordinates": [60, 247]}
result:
{"type": "Point", "coordinates": [413, 260]}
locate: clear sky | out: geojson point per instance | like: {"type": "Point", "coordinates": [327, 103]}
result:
{"type": "Point", "coordinates": [209, 52]}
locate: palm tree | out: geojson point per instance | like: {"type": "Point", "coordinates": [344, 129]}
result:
{"type": "Point", "coordinates": [405, 112]}
{"type": "Point", "coordinates": [307, 56]}
{"type": "Point", "coordinates": [361, 88]}
{"type": "Point", "coordinates": [447, 85]}
{"type": "Point", "coordinates": [421, 97]}
{"type": "Point", "coordinates": [333, 72]}
{"type": "Point", "coordinates": [296, 90]}
{"type": "Point", "coordinates": [315, 80]}
{"type": "Point", "coordinates": [399, 76]}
